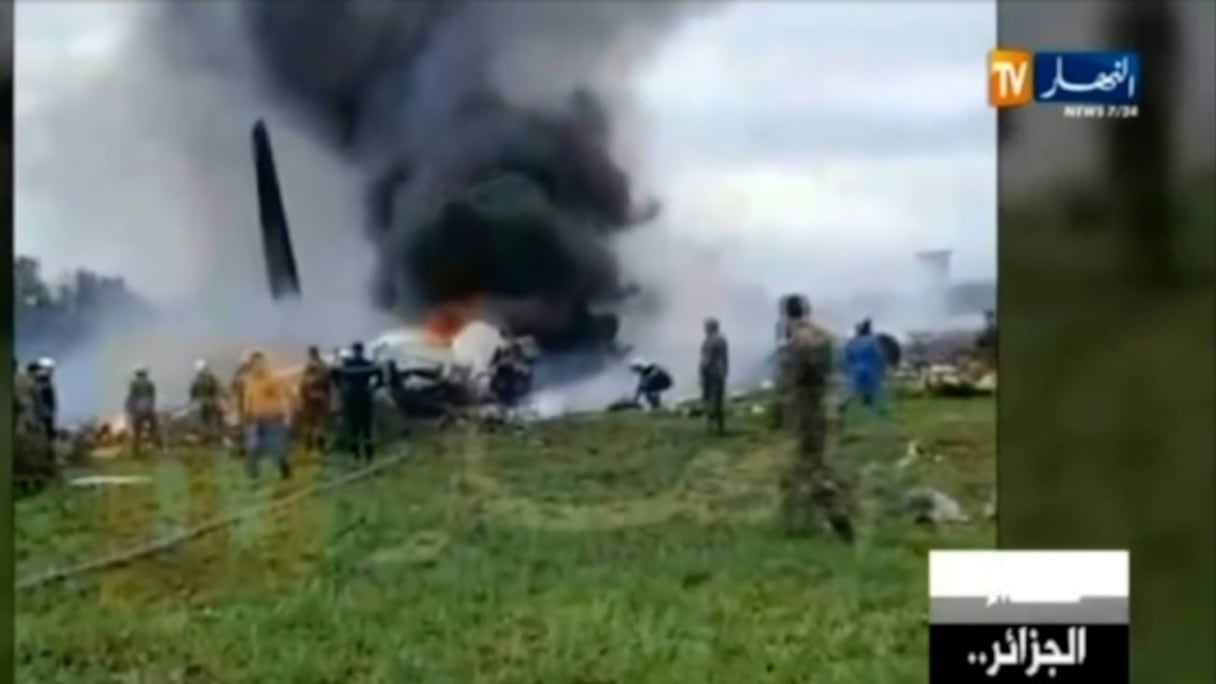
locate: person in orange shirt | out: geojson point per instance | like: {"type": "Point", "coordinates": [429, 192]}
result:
{"type": "Point", "coordinates": [265, 404]}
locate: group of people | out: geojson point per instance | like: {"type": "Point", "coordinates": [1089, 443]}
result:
{"type": "Point", "coordinates": [261, 400]}
{"type": "Point", "coordinates": [653, 379]}
{"type": "Point", "coordinates": [264, 405]}
{"type": "Point", "coordinates": [811, 491]}
{"type": "Point", "coordinates": [864, 362]}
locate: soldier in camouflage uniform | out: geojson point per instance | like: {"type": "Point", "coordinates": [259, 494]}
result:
{"type": "Point", "coordinates": [784, 330]}
{"type": "Point", "coordinates": [714, 367]}
{"type": "Point", "coordinates": [142, 419]}
{"type": "Point", "coordinates": [207, 394]}
{"type": "Point", "coordinates": [810, 492]}
{"type": "Point", "coordinates": [236, 389]}
{"type": "Point", "coordinates": [316, 388]}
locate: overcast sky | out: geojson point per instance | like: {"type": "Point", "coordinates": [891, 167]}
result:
{"type": "Point", "coordinates": [837, 138]}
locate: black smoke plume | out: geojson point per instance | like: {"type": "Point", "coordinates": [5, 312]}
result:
{"type": "Point", "coordinates": [485, 133]}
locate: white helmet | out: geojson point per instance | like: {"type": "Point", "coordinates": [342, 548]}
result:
{"type": "Point", "coordinates": [200, 365]}
{"type": "Point", "coordinates": [638, 363]}
{"type": "Point", "coordinates": [46, 362]}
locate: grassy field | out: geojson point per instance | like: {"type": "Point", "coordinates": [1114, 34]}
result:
{"type": "Point", "coordinates": [622, 548]}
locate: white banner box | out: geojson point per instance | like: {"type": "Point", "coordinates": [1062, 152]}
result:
{"type": "Point", "coordinates": [1029, 587]}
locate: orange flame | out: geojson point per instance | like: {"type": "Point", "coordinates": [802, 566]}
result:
{"type": "Point", "coordinates": [445, 322]}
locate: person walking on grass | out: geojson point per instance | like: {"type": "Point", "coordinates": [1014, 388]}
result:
{"type": "Point", "coordinates": [865, 365]}
{"type": "Point", "coordinates": [714, 367]}
{"type": "Point", "coordinates": [265, 404]}
{"type": "Point", "coordinates": [811, 491]}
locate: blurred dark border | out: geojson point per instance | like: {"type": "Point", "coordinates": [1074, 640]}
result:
{"type": "Point", "coordinates": [6, 346]}
{"type": "Point", "coordinates": [1107, 315]}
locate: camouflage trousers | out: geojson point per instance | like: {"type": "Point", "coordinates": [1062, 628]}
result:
{"type": "Point", "coordinates": [811, 492]}
{"type": "Point", "coordinates": [145, 428]}
{"type": "Point", "coordinates": [312, 422]}
{"type": "Point", "coordinates": [713, 400]}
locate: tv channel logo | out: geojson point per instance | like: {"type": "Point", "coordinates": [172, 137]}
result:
{"type": "Point", "coordinates": [1106, 78]}
{"type": "Point", "coordinates": [1015, 77]}
{"type": "Point", "coordinates": [1010, 78]}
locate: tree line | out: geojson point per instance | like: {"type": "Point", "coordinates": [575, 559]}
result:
{"type": "Point", "coordinates": [53, 314]}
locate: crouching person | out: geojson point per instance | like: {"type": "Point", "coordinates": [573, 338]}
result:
{"type": "Point", "coordinates": [653, 381]}
{"type": "Point", "coordinates": [265, 404]}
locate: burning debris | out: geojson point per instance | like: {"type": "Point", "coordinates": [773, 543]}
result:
{"type": "Point", "coordinates": [444, 323]}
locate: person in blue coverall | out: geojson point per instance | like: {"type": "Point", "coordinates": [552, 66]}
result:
{"type": "Point", "coordinates": [865, 366]}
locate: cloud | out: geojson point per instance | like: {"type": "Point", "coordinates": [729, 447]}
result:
{"type": "Point", "coordinates": [769, 103]}
{"type": "Point", "coordinates": [815, 141]}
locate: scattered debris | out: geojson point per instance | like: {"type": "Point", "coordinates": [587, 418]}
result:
{"type": "Point", "coordinates": [110, 480]}
{"type": "Point", "coordinates": [911, 455]}
{"type": "Point", "coordinates": [948, 381]}
{"type": "Point", "coordinates": [931, 506]}
{"type": "Point", "coordinates": [935, 348]}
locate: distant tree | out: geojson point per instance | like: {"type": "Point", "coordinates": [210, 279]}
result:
{"type": "Point", "coordinates": [28, 286]}
{"type": "Point", "coordinates": [53, 317]}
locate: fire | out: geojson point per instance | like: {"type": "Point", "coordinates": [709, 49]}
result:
{"type": "Point", "coordinates": [116, 425]}
{"type": "Point", "coordinates": [445, 322]}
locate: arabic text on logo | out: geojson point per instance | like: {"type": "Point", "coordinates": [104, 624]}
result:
{"type": "Point", "coordinates": [1010, 77]}
{"type": "Point", "coordinates": [1087, 78]}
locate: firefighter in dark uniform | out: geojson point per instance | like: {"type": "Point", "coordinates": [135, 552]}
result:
{"type": "Point", "coordinates": [46, 399]}
{"type": "Point", "coordinates": [653, 381]}
{"type": "Point", "coordinates": [510, 374]}
{"type": "Point", "coordinates": [358, 378]}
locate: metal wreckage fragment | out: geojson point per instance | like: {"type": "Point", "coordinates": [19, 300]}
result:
{"type": "Point", "coordinates": [280, 259]}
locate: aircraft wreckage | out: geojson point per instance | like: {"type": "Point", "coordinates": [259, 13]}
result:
{"type": "Point", "coordinates": [447, 358]}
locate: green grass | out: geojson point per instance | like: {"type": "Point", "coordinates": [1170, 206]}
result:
{"type": "Point", "coordinates": [619, 548]}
